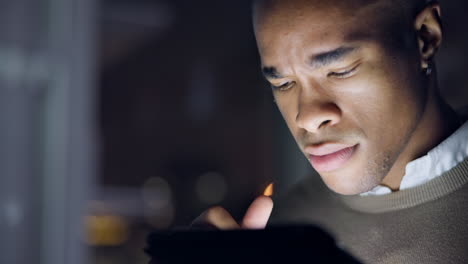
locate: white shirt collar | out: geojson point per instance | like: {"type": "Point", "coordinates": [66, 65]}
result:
{"type": "Point", "coordinates": [439, 160]}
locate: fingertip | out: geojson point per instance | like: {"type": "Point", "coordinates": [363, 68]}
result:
{"type": "Point", "coordinates": [258, 213]}
{"type": "Point", "coordinates": [266, 199]}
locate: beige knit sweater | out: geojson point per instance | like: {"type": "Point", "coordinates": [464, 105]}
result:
{"type": "Point", "coordinates": [425, 224]}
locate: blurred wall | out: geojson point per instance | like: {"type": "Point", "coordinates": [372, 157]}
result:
{"type": "Point", "coordinates": [46, 129]}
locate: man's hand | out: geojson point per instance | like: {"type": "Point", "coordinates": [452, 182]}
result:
{"type": "Point", "coordinates": [256, 216]}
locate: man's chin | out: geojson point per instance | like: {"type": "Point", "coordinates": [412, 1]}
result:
{"type": "Point", "coordinates": [348, 185]}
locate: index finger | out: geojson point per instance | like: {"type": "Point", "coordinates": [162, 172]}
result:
{"type": "Point", "coordinates": [258, 213]}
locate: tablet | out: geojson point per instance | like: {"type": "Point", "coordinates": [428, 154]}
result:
{"type": "Point", "coordinates": [280, 244]}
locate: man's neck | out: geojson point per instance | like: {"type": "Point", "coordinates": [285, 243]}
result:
{"type": "Point", "coordinates": [437, 123]}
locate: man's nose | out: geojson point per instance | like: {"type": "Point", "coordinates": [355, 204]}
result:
{"type": "Point", "coordinates": [314, 116]}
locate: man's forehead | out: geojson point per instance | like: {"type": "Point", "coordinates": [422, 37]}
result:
{"type": "Point", "coordinates": [316, 33]}
{"type": "Point", "coordinates": [314, 27]}
{"type": "Point", "coordinates": [305, 32]}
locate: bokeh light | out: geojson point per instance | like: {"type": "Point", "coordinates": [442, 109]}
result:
{"type": "Point", "coordinates": [211, 187]}
{"type": "Point", "coordinates": [157, 193]}
{"type": "Point", "coordinates": [106, 230]}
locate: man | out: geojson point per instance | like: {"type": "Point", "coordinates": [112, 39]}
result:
{"type": "Point", "coordinates": [355, 81]}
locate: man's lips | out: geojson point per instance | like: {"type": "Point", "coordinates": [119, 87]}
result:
{"type": "Point", "coordinates": [330, 156]}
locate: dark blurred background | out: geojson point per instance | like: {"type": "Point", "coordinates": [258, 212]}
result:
{"type": "Point", "coordinates": [121, 117]}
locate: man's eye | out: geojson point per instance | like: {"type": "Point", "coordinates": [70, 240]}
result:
{"type": "Point", "coordinates": [343, 74]}
{"type": "Point", "coordinates": [284, 86]}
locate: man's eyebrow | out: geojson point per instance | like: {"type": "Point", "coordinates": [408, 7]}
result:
{"type": "Point", "coordinates": [271, 73]}
{"type": "Point", "coordinates": [326, 58]}
{"type": "Point", "coordinates": [316, 61]}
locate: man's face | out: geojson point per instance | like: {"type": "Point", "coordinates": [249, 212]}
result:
{"type": "Point", "coordinates": [351, 98]}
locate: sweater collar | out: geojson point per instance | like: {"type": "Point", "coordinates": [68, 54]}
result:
{"type": "Point", "coordinates": [434, 189]}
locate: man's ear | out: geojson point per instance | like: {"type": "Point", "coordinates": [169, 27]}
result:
{"type": "Point", "coordinates": [429, 32]}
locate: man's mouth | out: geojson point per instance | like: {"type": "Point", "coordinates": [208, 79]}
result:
{"type": "Point", "coordinates": [330, 157]}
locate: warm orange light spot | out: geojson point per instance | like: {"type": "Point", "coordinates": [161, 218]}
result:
{"type": "Point", "coordinates": [268, 190]}
{"type": "Point", "coordinates": [106, 230]}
